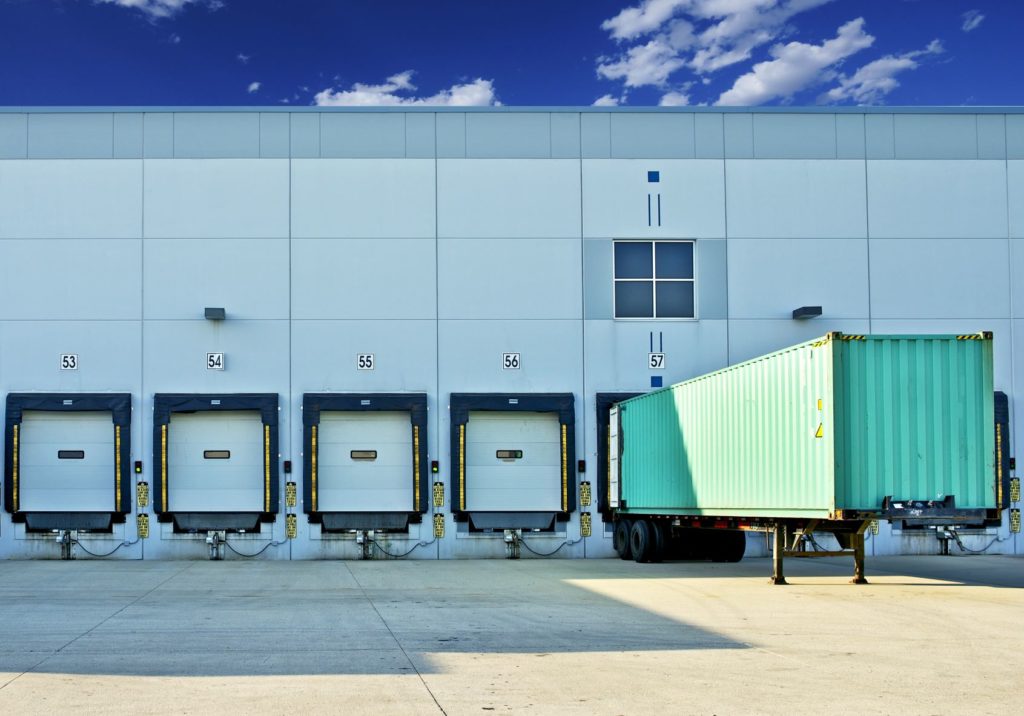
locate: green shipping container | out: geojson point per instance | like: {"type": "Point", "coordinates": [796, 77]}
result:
{"type": "Point", "coordinates": [828, 427]}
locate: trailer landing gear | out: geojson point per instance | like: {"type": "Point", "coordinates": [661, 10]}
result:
{"type": "Point", "coordinates": [850, 537]}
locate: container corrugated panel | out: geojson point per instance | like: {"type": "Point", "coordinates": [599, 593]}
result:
{"type": "Point", "coordinates": [831, 424]}
{"type": "Point", "coordinates": [916, 421]}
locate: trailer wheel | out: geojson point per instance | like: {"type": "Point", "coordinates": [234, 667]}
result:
{"type": "Point", "coordinates": [658, 541]}
{"type": "Point", "coordinates": [620, 539]}
{"type": "Point", "coordinates": [728, 546]}
{"type": "Point", "coordinates": [640, 541]}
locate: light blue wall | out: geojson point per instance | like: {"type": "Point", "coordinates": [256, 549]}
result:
{"type": "Point", "coordinates": [337, 198]}
{"type": "Point", "coordinates": [768, 278]}
{"type": "Point", "coordinates": [508, 198]}
{"type": "Point", "coordinates": [620, 202]}
{"type": "Point", "coordinates": [796, 198]}
{"type": "Point", "coordinates": [55, 199]}
{"type": "Point", "coordinates": [369, 279]}
{"type": "Point", "coordinates": [70, 279]}
{"type": "Point", "coordinates": [937, 198]}
{"type": "Point", "coordinates": [248, 278]}
{"type": "Point", "coordinates": [503, 279]}
{"type": "Point", "coordinates": [216, 198]}
{"type": "Point", "coordinates": [439, 240]}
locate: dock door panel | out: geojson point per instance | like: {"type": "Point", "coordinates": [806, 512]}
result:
{"type": "Point", "coordinates": [216, 462]}
{"type": "Point", "coordinates": [67, 462]}
{"type": "Point", "coordinates": [365, 462]}
{"type": "Point", "coordinates": [514, 459]}
{"type": "Point", "coordinates": [513, 462]}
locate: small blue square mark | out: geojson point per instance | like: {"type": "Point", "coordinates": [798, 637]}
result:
{"type": "Point", "coordinates": [655, 381]}
{"type": "Point", "coordinates": [653, 177]}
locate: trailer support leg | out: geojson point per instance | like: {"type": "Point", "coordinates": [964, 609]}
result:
{"type": "Point", "coordinates": [778, 554]}
{"type": "Point", "coordinates": [858, 557]}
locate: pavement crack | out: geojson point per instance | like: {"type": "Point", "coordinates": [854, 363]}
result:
{"type": "Point", "coordinates": [397, 642]}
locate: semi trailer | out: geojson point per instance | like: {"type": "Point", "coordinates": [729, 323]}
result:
{"type": "Point", "coordinates": [822, 437]}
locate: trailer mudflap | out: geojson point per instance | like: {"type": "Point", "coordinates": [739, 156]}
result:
{"type": "Point", "coordinates": [944, 510]}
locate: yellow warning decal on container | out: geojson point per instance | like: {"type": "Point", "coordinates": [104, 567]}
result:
{"type": "Point", "coordinates": [972, 337]}
{"type": "Point", "coordinates": [142, 522]}
{"type": "Point", "coordinates": [291, 494]}
{"type": "Point", "coordinates": [142, 494]}
{"type": "Point", "coordinates": [852, 338]}
{"type": "Point", "coordinates": [820, 432]}
{"type": "Point", "coordinates": [291, 526]}
{"type": "Point", "coordinates": [439, 526]}
{"type": "Point", "coordinates": [585, 524]}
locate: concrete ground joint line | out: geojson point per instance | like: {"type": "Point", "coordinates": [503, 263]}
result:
{"type": "Point", "coordinates": [395, 638]}
{"type": "Point", "coordinates": [18, 676]}
{"type": "Point", "coordinates": [108, 618]}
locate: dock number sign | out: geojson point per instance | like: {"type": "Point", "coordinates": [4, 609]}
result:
{"type": "Point", "coordinates": [69, 361]}
{"type": "Point", "coordinates": [656, 361]}
{"type": "Point", "coordinates": [215, 361]}
{"type": "Point", "coordinates": [364, 361]}
{"type": "Point", "coordinates": [510, 361]}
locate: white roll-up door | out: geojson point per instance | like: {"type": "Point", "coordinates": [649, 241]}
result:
{"type": "Point", "coordinates": [364, 462]}
{"type": "Point", "coordinates": [215, 462]}
{"type": "Point", "coordinates": [67, 462]}
{"type": "Point", "coordinates": [513, 462]}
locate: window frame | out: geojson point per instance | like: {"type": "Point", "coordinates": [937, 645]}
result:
{"type": "Point", "coordinates": [654, 280]}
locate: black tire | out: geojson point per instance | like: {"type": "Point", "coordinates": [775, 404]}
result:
{"type": "Point", "coordinates": [640, 541]}
{"type": "Point", "coordinates": [620, 539]}
{"type": "Point", "coordinates": [658, 540]}
{"type": "Point", "coordinates": [728, 545]}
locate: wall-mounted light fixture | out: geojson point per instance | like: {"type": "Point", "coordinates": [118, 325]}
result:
{"type": "Point", "coordinates": [215, 314]}
{"type": "Point", "coordinates": [805, 312]}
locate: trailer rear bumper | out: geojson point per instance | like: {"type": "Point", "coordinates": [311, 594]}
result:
{"type": "Point", "coordinates": [940, 511]}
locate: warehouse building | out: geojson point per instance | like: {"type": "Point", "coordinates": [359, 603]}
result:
{"type": "Point", "coordinates": [321, 334]}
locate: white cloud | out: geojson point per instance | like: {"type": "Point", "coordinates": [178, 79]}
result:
{"type": "Point", "coordinates": [243, 58]}
{"type": "Point", "coordinates": [649, 64]}
{"type": "Point", "coordinates": [395, 91]}
{"type": "Point", "coordinates": [160, 9]}
{"type": "Point", "coordinates": [254, 87]}
{"type": "Point", "coordinates": [972, 18]}
{"type": "Point", "coordinates": [873, 81]}
{"type": "Point", "coordinates": [606, 100]}
{"type": "Point", "coordinates": [674, 99]}
{"type": "Point", "coordinates": [702, 35]}
{"type": "Point", "coordinates": [796, 66]}
{"type": "Point", "coordinates": [648, 16]}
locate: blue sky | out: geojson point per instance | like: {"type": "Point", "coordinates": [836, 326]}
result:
{"type": "Point", "coordinates": [512, 52]}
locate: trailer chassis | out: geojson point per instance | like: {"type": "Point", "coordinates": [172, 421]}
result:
{"type": "Point", "coordinates": [791, 538]}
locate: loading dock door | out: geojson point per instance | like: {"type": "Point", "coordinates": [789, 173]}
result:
{"type": "Point", "coordinates": [513, 462]}
{"type": "Point", "coordinates": [216, 462]}
{"type": "Point", "coordinates": [67, 462]}
{"type": "Point", "coordinates": [365, 462]}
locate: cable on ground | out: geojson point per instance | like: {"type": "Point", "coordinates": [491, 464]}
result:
{"type": "Point", "coordinates": [403, 554]}
{"type": "Point", "coordinates": [567, 543]}
{"type": "Point", "coordinates": [81, 546]}
{"type": "Point", "coordinates": [257, 554]}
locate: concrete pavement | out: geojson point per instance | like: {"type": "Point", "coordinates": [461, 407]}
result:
{"type": "Point", "coordinates": [928, 635]}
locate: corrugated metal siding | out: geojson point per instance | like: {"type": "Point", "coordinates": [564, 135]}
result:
{"type": "Point", "coordinates": [905, 416]}
{"type": "Point", "coordinates": [918, 414]}
{"type": "Point", "coordinates": [740, 441]}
